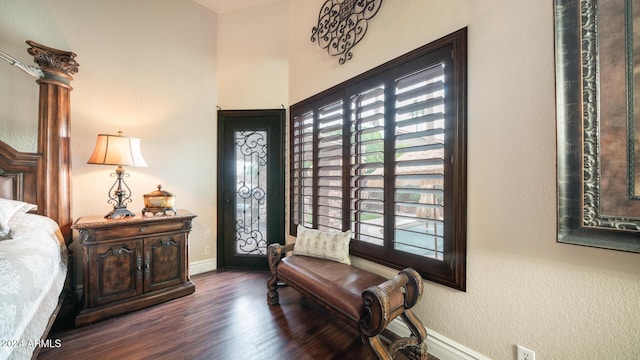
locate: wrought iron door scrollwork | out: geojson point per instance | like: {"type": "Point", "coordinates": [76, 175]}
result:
{"type": "Point", "coordinates": [342, 24]}
{"type": "Point", "coordinates": [250, 231]}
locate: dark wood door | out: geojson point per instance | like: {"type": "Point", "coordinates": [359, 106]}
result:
{"type": "Point", "coordinates": [118, 271]}
{"type": "Point", "coordinates": [164, 261]}
{"type": "Point", "coordinates": [250, 186]}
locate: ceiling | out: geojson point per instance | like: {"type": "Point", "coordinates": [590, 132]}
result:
{"type": "Point", "coordinates": [222, 6]}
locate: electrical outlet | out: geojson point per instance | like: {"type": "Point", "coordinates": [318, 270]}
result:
{"type": "Point", "coordinates": [207, 250]}
{"type": "Point", "coordinates": [525, 354]}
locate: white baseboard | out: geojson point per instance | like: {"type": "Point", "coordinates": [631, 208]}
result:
{"type": "Point", "coordinates": [439, 345]}
{"type": "Point", "coordinates": [202, 266]}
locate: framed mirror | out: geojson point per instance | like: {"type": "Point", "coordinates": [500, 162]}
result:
{"type": "Point", "coordinates": [598, 122]}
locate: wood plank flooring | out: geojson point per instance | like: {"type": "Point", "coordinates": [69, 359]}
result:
{"type": "Point", "coordinates": [226, 318]}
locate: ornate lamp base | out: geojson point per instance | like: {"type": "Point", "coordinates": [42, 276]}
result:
{"type": "Point", "coordinates": [119, 211]}
{"type": "Point", "coordinates": [121, 196]}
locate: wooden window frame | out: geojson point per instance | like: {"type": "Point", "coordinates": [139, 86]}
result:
{"type": "Point", "coordinates": [451, 270]}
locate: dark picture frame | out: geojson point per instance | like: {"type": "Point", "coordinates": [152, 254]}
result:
{"type": "Point", "coordinates": [592, 210]}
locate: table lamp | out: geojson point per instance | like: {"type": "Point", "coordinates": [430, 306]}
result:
{"type": "Point", "coordinates": [121, 151]}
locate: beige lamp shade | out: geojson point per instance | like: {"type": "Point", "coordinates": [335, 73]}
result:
{"type": "Point", "coordinates": [117, 150]}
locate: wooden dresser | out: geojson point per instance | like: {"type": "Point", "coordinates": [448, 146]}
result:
{"type": "Point", "coordinates": [133, 262]}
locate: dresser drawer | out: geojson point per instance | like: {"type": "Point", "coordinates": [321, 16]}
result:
{"type": "Point", "coordinates": [125, 231]}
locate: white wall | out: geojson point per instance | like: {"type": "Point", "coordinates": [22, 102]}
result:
{"type": "Point", "coordinates": [155, 70]}
{"type": "Point", "coordinates": [148, 68]}
{"type": "Point", "coordinates": [562, 301]}
{"type": "Point", "coordinates": [253, 67]}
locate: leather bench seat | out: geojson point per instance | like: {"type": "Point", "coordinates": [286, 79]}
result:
{"type": "Point", "coordinates": [366, 301]}
{"type": "Point", "coordinates": [334, 283]}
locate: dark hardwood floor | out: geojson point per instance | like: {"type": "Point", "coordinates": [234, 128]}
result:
{"type": "Point", "coordinates": [226, 318]}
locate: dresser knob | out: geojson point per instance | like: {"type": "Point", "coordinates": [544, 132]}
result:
{"type": "Point", "coordinates": [143, 229]}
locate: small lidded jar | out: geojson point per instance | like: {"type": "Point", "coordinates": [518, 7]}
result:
{"type": "Point", "coordinates": [159, 201]}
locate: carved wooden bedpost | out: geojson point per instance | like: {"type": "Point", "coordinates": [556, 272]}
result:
{"type": "Point", "coordinates": [54, 197]}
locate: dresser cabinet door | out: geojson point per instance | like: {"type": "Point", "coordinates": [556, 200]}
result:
{"type": "Point", "coordinates": [164, 261]}
{"type": "Point", "coordinates": [117, 273]}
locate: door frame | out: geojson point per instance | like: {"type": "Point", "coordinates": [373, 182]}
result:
{"type": "Point", "coordinates": [228, 116]}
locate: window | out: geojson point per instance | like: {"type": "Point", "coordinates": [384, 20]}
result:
{"type": "Point", "coordinates": [384, 154]}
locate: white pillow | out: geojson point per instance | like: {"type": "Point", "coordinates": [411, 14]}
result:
{"type": "Point", "coordinates": [323, 244]}
{"type": "Point", "coordinates": [9, 208]}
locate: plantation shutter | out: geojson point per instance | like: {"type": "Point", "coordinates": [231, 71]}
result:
{"type": "Point", "coordinates": [302, 171]}
{"type": "Point", "coordinates": [330, 122]}
{"type": "Point", "coordinates": [419, 163]}
{"type": "Point", "coordinates": [384, 155]}
{"type": "Point", "coordinates": [366, 173]}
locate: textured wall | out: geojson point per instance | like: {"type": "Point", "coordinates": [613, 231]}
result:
{"type": "Point", "coordinates": [562, 301]}
{"type": "Point", "coordinates": [155, 70]}
{"type": "Point", "coordinates": [18, 91]}
{"type": "Point", "coordinates": [252, 57]}
{"type": "Point", "coordinates": [147, 68]}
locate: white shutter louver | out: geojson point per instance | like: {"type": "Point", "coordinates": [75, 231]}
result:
{"type": "Point", "coordinates": [302, 170]}
{"type": "Point", "coordinates": [419, 163]}
{"type": "Point", "coordinates": [330, 122]}
{"type": "Point", "coordinates": [367, 166]}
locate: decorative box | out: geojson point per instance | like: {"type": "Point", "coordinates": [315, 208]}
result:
{"type": "Point", "coordinates": [159, 201]}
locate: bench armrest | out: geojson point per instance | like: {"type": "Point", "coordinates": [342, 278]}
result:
{"type": "Point", "coordinates": [275, 253]}
{"type": "Point", "coordinates": [392, 298]}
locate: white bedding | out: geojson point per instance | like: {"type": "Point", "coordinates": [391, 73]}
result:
{"type": "Point", "coordinates": [33, 267]}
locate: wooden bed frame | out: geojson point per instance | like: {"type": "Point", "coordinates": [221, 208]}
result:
{"type": "Point", "coordinates": [44, 177]}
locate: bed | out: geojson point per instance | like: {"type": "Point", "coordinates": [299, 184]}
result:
{"type": "Point", "coordinates": [33, 270]}
{"type": "Point", "coordinates": [35, 216]}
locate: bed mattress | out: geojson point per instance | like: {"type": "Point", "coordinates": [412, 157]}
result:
{"type": "Point", "coordinates": [33, 268]}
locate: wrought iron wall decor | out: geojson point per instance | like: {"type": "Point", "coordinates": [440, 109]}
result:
{"type": "Point", "coordinates": [597, 205]}
{"type": "Point", "coordinates": [342, 24]}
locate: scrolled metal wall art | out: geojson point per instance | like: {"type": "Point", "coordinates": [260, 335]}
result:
{"type": "Point", "coordinates": [342, 24]}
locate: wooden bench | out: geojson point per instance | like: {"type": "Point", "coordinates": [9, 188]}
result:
{"type": "Point", "coordinates": [366, 301]}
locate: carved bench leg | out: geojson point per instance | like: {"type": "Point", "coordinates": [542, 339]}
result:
{"type": "Point", "coordinates": [409, 346]}
{"type": "Point", "coordinates": [275, 252]}
{"type": "Point", "coordinates": [376, 347]}
{"type": "Point", "coordinates": [417, 352]}
{"type": "Point", "coordinates": [272, 291]}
